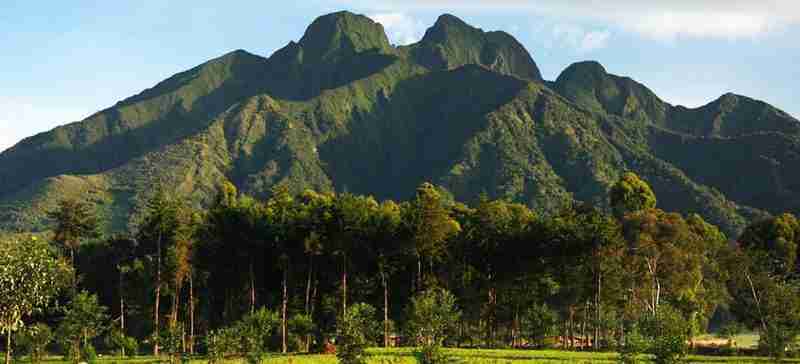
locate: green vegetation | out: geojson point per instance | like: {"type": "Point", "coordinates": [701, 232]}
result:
{"type": "Point", "coordinates": [343, 110]}
{"type": "Point", "coordinates": [251, 206]}
{"type": "Point", "coordinates": [641, 281]}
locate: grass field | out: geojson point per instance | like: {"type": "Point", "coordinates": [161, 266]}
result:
{"type": "Point", "coordinates": [406, 356]}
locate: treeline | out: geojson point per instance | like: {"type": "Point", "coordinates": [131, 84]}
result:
{"type": "Point", "coordinates": [583, 278]}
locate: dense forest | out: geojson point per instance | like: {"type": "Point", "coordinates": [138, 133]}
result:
{"type": "Point", "coordinates": [183, 278]}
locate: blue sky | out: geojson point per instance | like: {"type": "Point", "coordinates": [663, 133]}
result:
{"type": "Point", "coordinates": [62, 61]}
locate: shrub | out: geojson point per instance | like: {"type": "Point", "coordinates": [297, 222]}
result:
{"type": "Point", "coordinates": [222, 343]}
{"type": "Point", "coordinates": [633, 346]}
{"type": "Point", "coordinates": [33, 340]}
{"type": "Point", "coordinates": [355, 329]}
{"type": "Point", "coordinates": [433, 318]}
{"type": "Point", "coordinates": [538, 322]}
{"type": "Point", "coordinates": [123, 345]}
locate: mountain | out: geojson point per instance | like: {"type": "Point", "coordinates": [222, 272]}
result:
{"type": "Point", "coordinates": [342, 109]}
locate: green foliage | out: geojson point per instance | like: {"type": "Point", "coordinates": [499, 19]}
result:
{"type": "Point", "coordinates": [120, 342]}
{"type": "Point", "coordinates": [633, 346]}
{"type": "Point", "coordinates": [34, 340]}
{"type": "Point", "coordinates": [76, 221]}
{"type": "Point", "coordinates": [85, 319]}
{"type": "Point", "coordinates": [31, 275]}
{"type": "Point", "coordinates": [433, 315]}
{"type": "Point", "coordinates": [539, 322]}
{"type": "Point", "coordinates": [631, 194]}
{"type": "Point", "coordinates": [355, 330]}
{"type": "Point", "coordinates": [254, 331]}
{"type": "Point", "coordinates": [248, 337]}
{"type": "Point", "coordinates": [222, 343]}
{"type": "Point", "coordinates": [668, 333]}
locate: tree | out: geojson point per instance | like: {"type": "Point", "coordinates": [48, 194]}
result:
{"type": "Point", "coordinates": [355, 330]}
{"type": "Point", "coordinates": [764, 281]}
{"type": "Point", "coordinates": [31, 274]}
{"type": "Point", "coordinates": [631, 194]}
{"type": "Point", "coordinates": [85, 319]}
{"type": "Point", "coordinates": [76, 221]}
{"type": "Point", "coordinates": [430, 226]}
{"type": "Point", "coordinates": [155, 235]}
{"type": "Point", "coordinates": [387, 252]}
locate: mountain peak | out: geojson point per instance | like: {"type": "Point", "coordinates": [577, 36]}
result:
{"type": "Point", "coordinates": [340, 35]}
{"type": "Point", "coordinates": [450, 20]}
{"type": "Point", "coordinates": [451, 43]}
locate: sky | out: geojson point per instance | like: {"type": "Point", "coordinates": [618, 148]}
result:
{"type": "Point", "coordinates": [61, 61]}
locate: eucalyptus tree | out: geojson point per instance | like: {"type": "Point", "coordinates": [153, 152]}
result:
{"type": "Point", "coordinates": [155, 235]}
{"type": "Point", "coordinates": [281, 213]}
{"type": "Point", "coordinates": [764, 282]}
{"type": "Point", "coordinates": [429, 225]}
{"type": "Point", "coordinates": [75, 223]}
{"type": "Point", "coordinates": [387, 250]}
{"type": "Point", "coordinates": [31, 274]}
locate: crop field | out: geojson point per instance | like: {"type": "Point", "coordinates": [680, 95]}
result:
{"type": "Point", "coordinates": [406, 356]}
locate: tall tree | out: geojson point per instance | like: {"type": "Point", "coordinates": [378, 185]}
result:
{"type": "Point", "coordinates": [155, 235]}
{"type": "Point", "coordinates": [76, 222]}
{"type": "Point", "coordinates": [31, 274]}
{"type": "Point", "coordinates": [430, 226]}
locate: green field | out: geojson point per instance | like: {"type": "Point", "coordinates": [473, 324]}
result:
{"type": "Point", "coordinates": [406, 356]}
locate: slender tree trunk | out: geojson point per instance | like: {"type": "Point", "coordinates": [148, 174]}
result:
{"type": "Point", "coordinates": [308, 282]}
{"type": "Point", "coordinates": [419, 273]}
{"type": "Point", "coordinates": [284, 304]}
{"type": "Point", "coordinates": [311, 310]}
{"type": "Point", "coordinates": [597, 308]}
{"type": "Point", "coordinates": [385, 309]}
{"type": "Point", "coordinates": [156, 332]}
{"type": "Point", "coordinates": [252, 288]}
{"type": "Point", "coordinates": [121, 309]}
{"type": "Point", "coordinates": [176, 300]}
{"type": "Point", "coordinates": [191, 314]}
{"type": "Point", "coordinates": [8, 346]}
{"type": "Point", "coordinates": [344, 284]}
{"type": "Point", "coordinates": [757, 301]}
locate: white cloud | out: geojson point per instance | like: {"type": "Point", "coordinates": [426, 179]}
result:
{"type": "Point", "coordinates": [20, 119]}
{"type": "Point", "coordinates": [575, 37]}
{"type": "Point", "coordinates": [400, 27]}
{"type": "Point", "coordinates": [594, 40]}
{"type": "Point", "coordinates": [658, 19]}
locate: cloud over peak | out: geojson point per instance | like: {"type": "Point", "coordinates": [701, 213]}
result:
{"type": "Point", "coordinates": [659, 19]}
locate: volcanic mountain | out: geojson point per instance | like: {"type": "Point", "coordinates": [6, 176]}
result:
{"type": "Point", "coordinates": [343, 109]}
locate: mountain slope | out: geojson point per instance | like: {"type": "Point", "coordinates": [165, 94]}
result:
{"type": "Point", "coordinates": [341, 109]}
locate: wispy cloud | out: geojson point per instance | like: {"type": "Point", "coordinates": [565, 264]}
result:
{"type": "Point", "coordinates": [401, 28]}
{"type": "Point", "coordinates": [663, 20]}
{"type": "Point", "coordinates": [576, 38]}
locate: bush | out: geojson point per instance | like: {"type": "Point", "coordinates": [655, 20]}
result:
{"type": "Point", "coordinates": [539, 322]}
{"type": "Point", "coordinates": [33, 340]}
{"type": "Point", "coordinates": [248, 337]}
{"type": "Point", "coordinates": [433, 318]}
{"type": "Point", "coordinates": [222, 343]}
{"type": "Point", "coordinates": [668, 332]}
{"type": "Point", "coordinates": [633, 346]}
{"type": "Point", "coordinates": [355, 330]}
{"type": "Point", "coordinates": [89, 353]}
{"type": "Point", "coordinates": [433, 354]}
{"type": "Point", "coordinates": [121, 344]}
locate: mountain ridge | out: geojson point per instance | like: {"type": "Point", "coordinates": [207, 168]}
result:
{"type": "Point", "coordinates": [344, 110]}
